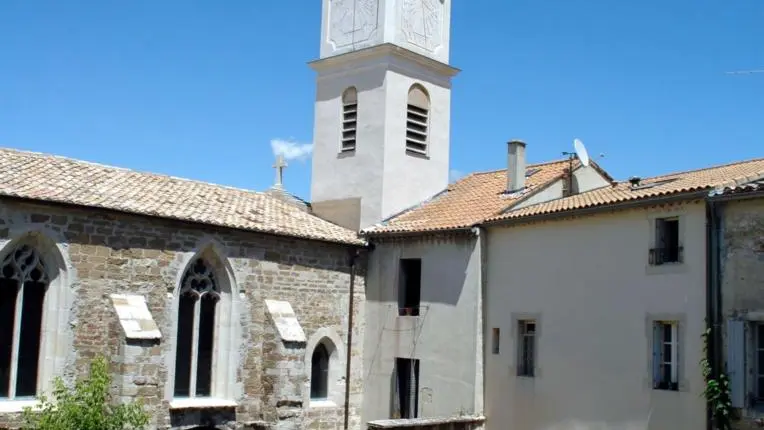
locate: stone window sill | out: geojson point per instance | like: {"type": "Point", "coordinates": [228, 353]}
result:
{"type": "Point", "coordinates": [14, 406]}
{"type": "Point", "coordinates": [316, 404]}
{"type": "Point", "coordinates": [201, 403]}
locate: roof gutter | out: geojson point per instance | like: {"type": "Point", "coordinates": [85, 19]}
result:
{"type": "Point", "coordinates": [702, 194]}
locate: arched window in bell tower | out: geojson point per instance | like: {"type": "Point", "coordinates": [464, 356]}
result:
{"type": "Point", "coordinates": [349, 119]}
{"type": "Point", "coordinates": [417, 120]}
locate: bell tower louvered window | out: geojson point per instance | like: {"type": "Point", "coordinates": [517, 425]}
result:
{"type": "Point", "coordinates": [349, 120]}
{"type": "Point", "coordinates": [417, 120]}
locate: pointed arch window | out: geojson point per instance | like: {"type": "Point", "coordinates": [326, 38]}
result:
{"type": "Point", "coordinates": [417, 120]}
{"type": "Point", "coordinates": [23, 284]}
{"type": "Point", "coordinates": [349, 119]}
{"type": "Point", "coordinates": [197, 316]}
{"type": "Point", "coordinates": [319, 372]}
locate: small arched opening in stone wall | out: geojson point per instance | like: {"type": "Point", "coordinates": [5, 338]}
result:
{"type": "Point", "coordinates": [324, 366]}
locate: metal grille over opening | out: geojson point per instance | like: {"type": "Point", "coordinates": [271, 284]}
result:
{"type": "Point", "coordinates": [199, 296]}
{"type": "Point", "coordinates": [417, 120]}
{"type": "Point", "coordinates": [349, 119]}
{"type": "Point", "coordinates": [23, 282]}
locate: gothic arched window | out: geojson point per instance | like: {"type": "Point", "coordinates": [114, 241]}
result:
{"type": "Point", "coordinates": [199, 296]}
{"type": "Point", "coordinates": [319, 372]}
{"type": "Point", "coordinates": [349, 119]}
{"type": "Point", "coordinates": [23, 283]}
{"type": "Point", "coordinates": [417, 120]}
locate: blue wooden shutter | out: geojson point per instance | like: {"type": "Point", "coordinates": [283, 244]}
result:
{"type": "Point", "coordinates": [657, 344]}
{"type": "Point", "coordinates": [736, 361]}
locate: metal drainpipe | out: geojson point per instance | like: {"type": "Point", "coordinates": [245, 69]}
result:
{"type": "Point", "coordinates": [710, 224]}
{"type": "Point", "coordinates": [714, 292]}
{"type": "Point", "coordinates": [353, 257]}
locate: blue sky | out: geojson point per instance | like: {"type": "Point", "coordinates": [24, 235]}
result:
{"type": "Point", "coordinates": [199, 89]}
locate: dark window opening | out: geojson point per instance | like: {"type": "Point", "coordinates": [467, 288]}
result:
{"type": "Point", "coordinates": [407, 387]}
{"type": "Point", "coordinates": [319, 373]}
{"type": "Point", "coordinates": [496, 340]}
{"type": "Point", "coordinates": [526, 353]}
{"type": "Point", "coordinates": [23, 283]}
{"type": "Point", "coordinates": [409, 286]}
{"type": "Point", "coordinates": [667, 248]}
{"type": "Point", "coordinates": [197, 308]}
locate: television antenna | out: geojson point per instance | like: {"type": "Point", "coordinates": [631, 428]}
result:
{"type": "Point", "coordinates": [580, 152]}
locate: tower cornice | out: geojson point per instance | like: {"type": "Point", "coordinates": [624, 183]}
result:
{"type": "Point", "coordinates": [353, 58]}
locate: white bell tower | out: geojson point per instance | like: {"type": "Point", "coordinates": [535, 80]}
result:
{"type": "Point", "coordinates": [383, 108]}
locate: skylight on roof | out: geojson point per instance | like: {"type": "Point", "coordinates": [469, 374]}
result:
{"type": "Point", "coordinates": [529, 173]}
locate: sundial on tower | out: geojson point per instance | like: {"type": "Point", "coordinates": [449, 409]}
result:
{"type": "Point", "coordinates": [352, 21]}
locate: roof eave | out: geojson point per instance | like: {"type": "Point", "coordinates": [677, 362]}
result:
{"type": "Point", "coordinates": [629, 204]}
{"type": "Point", "coordinates": [355, 243]}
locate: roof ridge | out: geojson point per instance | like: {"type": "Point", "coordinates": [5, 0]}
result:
{"type": "Point", "coordinates": [683, 172]}
{"type": "Point", "coordinates": [126, 169]}
{"type": "Point", "coordinates": [527, 166]}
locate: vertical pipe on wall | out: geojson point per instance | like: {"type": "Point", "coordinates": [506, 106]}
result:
{"type": "Point", "coordinates": [353, 258]}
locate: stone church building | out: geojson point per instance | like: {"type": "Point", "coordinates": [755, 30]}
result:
{"type": "Point", "coordinates": [216, 306]}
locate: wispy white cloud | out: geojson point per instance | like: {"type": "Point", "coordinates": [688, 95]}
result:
{"type": "Point", "coordinates": [291, 150]}
{"type": "Point", "coordinates": [454, 175]}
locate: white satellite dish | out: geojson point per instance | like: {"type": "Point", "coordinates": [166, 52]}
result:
{"type": "Point", "coordinates": [581, 152]}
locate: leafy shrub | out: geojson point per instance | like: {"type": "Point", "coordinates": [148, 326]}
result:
{"type": "Point", "coordinates": [88, 406]}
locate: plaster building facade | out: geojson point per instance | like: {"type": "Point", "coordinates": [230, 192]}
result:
{"type": "Point", "coordinates": [425, 285]}
{"type": "Point", "coordinates": [597, 303]}
{"type": "Point", "coordinates": [217, 306]}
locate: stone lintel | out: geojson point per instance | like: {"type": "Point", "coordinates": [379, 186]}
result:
{"type": "Point", "coordinates": [134, 316]}
{"type": "Point", "coordinates": [286, 321]}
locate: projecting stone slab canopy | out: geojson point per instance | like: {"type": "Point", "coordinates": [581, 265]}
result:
{"type": "Point", "coordinates": [284, 318]}
{"type": "Point", "coordinates": [134, 317]}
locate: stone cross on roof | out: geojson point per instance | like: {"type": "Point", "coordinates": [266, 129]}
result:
{"type": "Point", "coordinates": [279, 166]}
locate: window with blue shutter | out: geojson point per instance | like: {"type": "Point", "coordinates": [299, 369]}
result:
{"type": "Point", "coordinates": [736, 361]}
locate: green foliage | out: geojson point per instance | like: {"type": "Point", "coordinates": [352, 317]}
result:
{"type": "Point", "coordinates": [716, 391]}
{"type": "Point", "coordinates": [88, 406]}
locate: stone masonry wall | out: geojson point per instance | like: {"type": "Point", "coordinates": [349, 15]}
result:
{"type": "Point", "coordinates": [743, 275]}
{"type": "Point", "coordinates": [117, 253]}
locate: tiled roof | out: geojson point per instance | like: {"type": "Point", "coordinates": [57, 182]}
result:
{"type": "Point", "coordinates": [659, 186]}
{"type": "Point", "coordinates": [56, 179]}
{"type": "Point", "coordinates": [468, 201]}
{"type": "Point", "coordinates": [742, 187]}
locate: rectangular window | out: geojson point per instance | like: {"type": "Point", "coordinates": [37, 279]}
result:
{"type": "Point", "coordinates": [407, 387]}
{"type": "Point", "coordinates": [409, 286]}
{"type": "Point", "coordinates": [416, 129]}
{"type": "Point", "coordinates": [496, 340]}
{"type": "Point", "coordinates": [526, 348]}
{"type": "Point", "coordinates": [349, 125]}
{"type": "Point", "coordinates": [667, 248]}
{"type": "Point", "coordinates": [665, 355]}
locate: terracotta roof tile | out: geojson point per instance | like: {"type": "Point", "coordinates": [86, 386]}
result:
{"type": "Point", "coordinates": [468, 201]}
{"type": "Point", "coordinates": [724, 176]}
{"type": "Point", "coordinates": [63, 180]}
